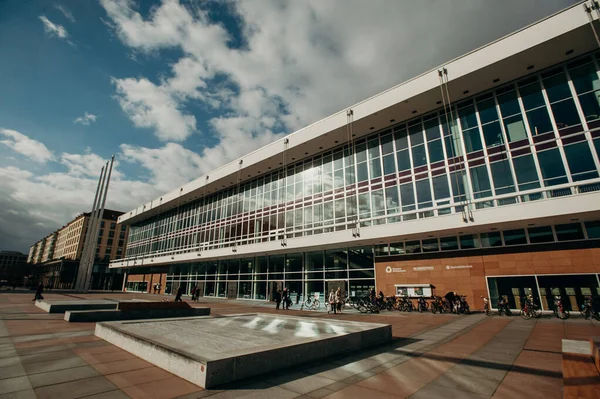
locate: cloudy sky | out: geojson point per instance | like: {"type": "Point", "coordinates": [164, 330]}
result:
{"type": "Point", "coordinates": [177, 88]}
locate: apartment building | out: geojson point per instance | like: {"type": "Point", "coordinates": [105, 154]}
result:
{"type": "Point", "coordinates": [57, 256]}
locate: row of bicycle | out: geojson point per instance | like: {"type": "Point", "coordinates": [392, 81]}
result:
{"type": "Point", "coordinates": [530, 309]}
{"type": "Point", "coordinates": [436, 304]}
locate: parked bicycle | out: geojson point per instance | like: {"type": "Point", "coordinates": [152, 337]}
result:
{"type": "Point", "coordinates": [559, 309]}
{"type": "Point", "coordinates": [461, 305]}
{"type": "Point", "coordinates": [422, 305]}
{"type": "Point", "coordinates": [312, 302]}
{"type": "Point", "coordinates": [529, 308]}
{"type": "Point", "coordinates": [405, 305]}
{"type": "Point", "coordinates": [438, 305]}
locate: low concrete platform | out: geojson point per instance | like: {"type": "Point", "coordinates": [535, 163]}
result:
{"type": "Point", "coordinates": [211, 351]}
{"type": "Point", "coordinates": [95, 304]}
{"type": "Point", "coordinates": [125, 314]}
{"type": "Point", "coordinates": [63, 306]}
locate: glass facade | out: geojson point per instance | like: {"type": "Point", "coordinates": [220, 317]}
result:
{"type": "Point", "coordinates": [532, 139]}
{"type": "Point", "coordinates": [258, 277]}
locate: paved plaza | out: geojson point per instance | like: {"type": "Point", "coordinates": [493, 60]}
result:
{"type": "Point", "coordinates": [431, 356]}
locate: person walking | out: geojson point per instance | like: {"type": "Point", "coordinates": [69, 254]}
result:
{"type": "Point", "coordinates": [179, 294]}
{"type": "Point", "coordinates": [277, 298]}
{"type": "Point", "coordinates": [332, 306]}
{"type": "Point", "coordinates": [197, 293]}
{"type": "Point", "coordinates": [194, 293]}
{"type": "Point", "coordinates": [338, 300]}
{"type": "Point", "coordinates": [285, 298]}
{"type": "Point", "coordinates": [38, 293]}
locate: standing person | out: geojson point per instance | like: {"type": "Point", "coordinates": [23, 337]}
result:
{"type": "Point", "coordinates": [38, 293]}
{"type": "Point", "coordinates": [372, 295]}
{"type": "Point", "coordinates": [332, 305]}
{"type": "Point", "coordinates": [158, 288]}
{"type": "Point", "coordinates": [277, 299]}
{"type": "Point", "coordinates": [338, 300]}
{"type": "Point", "coordinates": [450, 300]}
{"type": "Point", "coordinates": [194, 293]}
{"type": "Point", "coordinates": [179, 294]}
{"type": "Point", "coordinates": [197, 293]}
{"type": "Point", "coordinates": [285, 298]}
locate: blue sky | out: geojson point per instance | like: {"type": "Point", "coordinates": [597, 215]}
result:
{"type": "Point", "coordinates": [176, 88]}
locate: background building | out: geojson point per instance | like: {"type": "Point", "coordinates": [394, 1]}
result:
{"type": "Point", "coordinates": [56, 257]}
{"type": "Point", "coordinates": [480, 176]}
{"type": "Point", "coordinates": [13, 268]}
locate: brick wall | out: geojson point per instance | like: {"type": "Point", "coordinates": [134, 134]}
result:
{"type": "Point", "coordinates": [151, 279]}
{"type": "Point", "coordinates": [466, 275]}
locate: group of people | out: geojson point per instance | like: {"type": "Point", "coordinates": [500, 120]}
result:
{"type": "Point", "coordinates": [195, 293]}
{"type": "Point", "coordinates": [282, 297]}
{"type": "Point", "coordinates": [335, 301]}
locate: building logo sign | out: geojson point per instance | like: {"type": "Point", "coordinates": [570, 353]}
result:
{"type": "Point", "coordinates": [390, 269]}
{"type": "Point", "coordinates": [459, 267]}
{"type": "Point", "coordinates": [423, 268]}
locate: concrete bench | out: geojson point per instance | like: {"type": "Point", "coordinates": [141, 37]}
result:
{"type": "Point", "coordinates": [581, 375]}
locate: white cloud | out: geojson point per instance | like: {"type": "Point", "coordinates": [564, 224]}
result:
{"type": "Point", "coordinates": [87, 165]}
{"type": "Point", "coordinates": [66, 12]}
{"type": "Point", "coordinates": [25, 146]}
{"type": "Point", "coordinates": [298, 61]}
{"type": "Point", "coordinates": [86, 119]}
{"type": "Point", "coordinates": [54, 29]}
{"type": "Point", "coordinates": [34, 205]}
{"type": "Point", "coordinates": [170, 166]}
{"type": "Point", "coordinates": [152, 106]}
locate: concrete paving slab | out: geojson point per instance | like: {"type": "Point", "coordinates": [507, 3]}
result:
{"type": "Point", "coordinates": [60, 376]}
{"type": "Point", "coordinates": [75, 389]}
{"type": "Point", "coordinates": [28, 394]}
{"type": "Point", "coordinates": [209, 351]}
{"type": "Point", "coordinates": [14, 384]}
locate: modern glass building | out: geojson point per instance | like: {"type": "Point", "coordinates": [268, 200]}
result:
{"type": "Point", "coordinates": [494, 155]}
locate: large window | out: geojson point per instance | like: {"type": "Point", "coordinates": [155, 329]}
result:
{"type": "Point", "coordinates": [587, 85]}
{"type": "Point", "coordinates": [511, 115]}
{"type": "Point", "coordinates": [481, 182]}
{"type": "Point", "coordinates": [535, 106]}
{"type": "Point", "coordinates": [526, 172]}
{"type": "Point", "coordinates": [492, 132]}
{"type": "Point", "coordinates": [502, 175]}
{"type": "Point", "coordinates": [470, 129]}
{"type": "Point", "coordinates": [562, 104]}
{"type": "Point", "coordinates": [580, 160]}
{"type": "Point", "coordinates": [552, 167]}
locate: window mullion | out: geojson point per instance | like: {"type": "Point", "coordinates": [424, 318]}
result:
{"type": "Point", "coordinates": [586, 128]}
{"type": "Point", "coordinates": [556, 135]}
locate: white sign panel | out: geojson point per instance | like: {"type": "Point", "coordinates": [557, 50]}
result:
{"type": "Point", "coordinates": [390, 269]}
